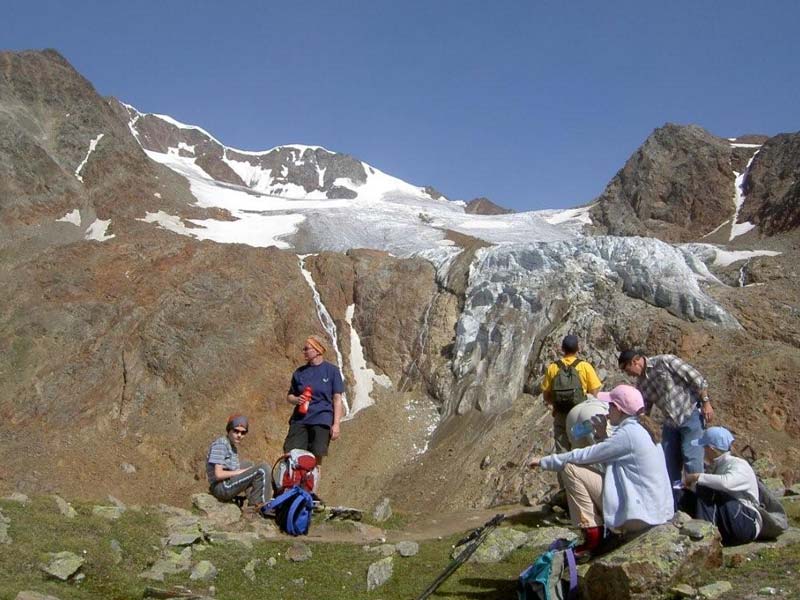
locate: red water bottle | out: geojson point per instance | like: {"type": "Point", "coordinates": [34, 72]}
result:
{"type": "Point", "coordinates": [305, 398]}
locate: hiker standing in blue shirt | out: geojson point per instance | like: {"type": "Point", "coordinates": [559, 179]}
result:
{"type": "Point", "coordinates": [317, 384]}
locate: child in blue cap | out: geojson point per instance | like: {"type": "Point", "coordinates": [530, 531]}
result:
{"type": "Point", "coordinates": [727, 495]}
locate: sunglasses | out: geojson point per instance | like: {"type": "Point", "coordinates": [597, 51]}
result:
{"type": "Point", "coordinates": [240, 431]}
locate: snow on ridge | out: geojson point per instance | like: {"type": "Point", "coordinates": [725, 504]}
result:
{"type": "Point", "coordinates": [738, 229]}
{"type": "Point", "coordinates": [92, 145]}
{"type": "Point", "coordinates": [740, 145]}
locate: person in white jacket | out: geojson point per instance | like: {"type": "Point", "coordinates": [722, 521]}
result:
{"type": "Point", "coordinates": [728, 495]}
{"type": "Point", "coordinates": [636, 492]}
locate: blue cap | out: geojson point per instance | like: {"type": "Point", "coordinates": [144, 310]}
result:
{"type": "Point", "coordinates": [716, 437]}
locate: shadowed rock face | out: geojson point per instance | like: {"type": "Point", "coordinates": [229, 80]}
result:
{"type": "Point", "coordinates": [678, 186]}
{"type": "Point", "coordinates": [772, 187]}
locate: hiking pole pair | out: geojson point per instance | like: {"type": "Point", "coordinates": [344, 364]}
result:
{"type": "Point", "coordinates": [474, 539]}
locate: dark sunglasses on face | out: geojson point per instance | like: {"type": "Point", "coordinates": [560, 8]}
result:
{"type": "Point", "coordinates": [240, 431]}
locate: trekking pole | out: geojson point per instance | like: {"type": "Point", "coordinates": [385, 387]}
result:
{"type": "Point", "coordinates": [474, 539]}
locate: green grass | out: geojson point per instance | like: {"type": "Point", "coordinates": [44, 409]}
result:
{"type": "Point", "coordinates": [335, 572]}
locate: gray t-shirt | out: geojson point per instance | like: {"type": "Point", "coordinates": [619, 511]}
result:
{"type": "Point", "coordinates": [221, 453]}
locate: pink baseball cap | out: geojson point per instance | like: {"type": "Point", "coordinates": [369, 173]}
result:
{"type": "Point", "coordinates": [625, 397]}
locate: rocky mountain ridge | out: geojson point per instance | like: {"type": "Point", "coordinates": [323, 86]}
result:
{"type": "Point", "coordinates": [126, 342]}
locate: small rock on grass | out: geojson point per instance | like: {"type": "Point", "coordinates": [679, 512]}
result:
{"type": "Point", "coordinates": [714, 590]}
{"type": "Point", "coordinates": [64, 507]}
{"type": "Point", "coordinates": [683, 590]}
{"type": "Point", "coordinates": [203, 571]}
{"type": "Point", "coordinates": [250, 569]}
{"type": "Point", "coordinates": [383, 511]}
{"type": "Point", "coordinates": [4, 523]}
{"type": "Point", "coordinates": [379, 572]}
{"type": "Point", "coordinates": [18, 497]}
{"type": "Point", "coordinates": [112, 513]}
{"type": "Point", "coordinates": [116, 551]}
{"type": "Point", "coordinates": [29, 595]}
{"type": "Point", "coordinates": [767, 591]}
{"type": "Point", "coordinates": [63, 565]}
{"type": "Point", "coordinates": [298, 552]}
{"type": "Point", "coordinates": [407, 548]}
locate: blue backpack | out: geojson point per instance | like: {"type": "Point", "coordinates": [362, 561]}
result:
{"type": "Point", "coordinates": [293, 510]}
{"type": "Point", "coordinates": [543, 580]}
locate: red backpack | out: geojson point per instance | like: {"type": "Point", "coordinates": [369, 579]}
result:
{"type": "Point", "coordinates": [297, 468]}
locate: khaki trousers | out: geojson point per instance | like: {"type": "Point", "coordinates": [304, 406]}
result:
{"type": "Point", "coordinates": [584, 488]}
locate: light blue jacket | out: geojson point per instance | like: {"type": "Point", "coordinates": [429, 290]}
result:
{"type": "Point", "coordinates": [635, 484]}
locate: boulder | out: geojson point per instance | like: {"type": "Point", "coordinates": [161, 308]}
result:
{"type": "Point", "coordinates": [221, 513]}
{"type": "Point", "coordinates": [650, 563]}
{"type": "Point", "coordinates": [498, 544]}
{"type": "Point", "coordinates": [776, 486]}
{"type": "Point", "coordinates": [541, 537]}
{"type": "Point", "coordinates": [63, 565]}
{"type": "Point", "coordinates": [116, 551]}
{"type": "Point", "coordinates": [382, 549]}
{"type": "Point", "coordinates": [379, 572]}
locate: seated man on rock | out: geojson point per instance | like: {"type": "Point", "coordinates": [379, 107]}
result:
{"type": "Point", "coordinates": [227, 475]}
{"type": "Point", "coordinates": [628, 490]}
{"type": "Point", "coordinates": [728, 495]}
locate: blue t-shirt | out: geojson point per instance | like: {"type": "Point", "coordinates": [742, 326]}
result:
{"type": "Point", "coordinates": [325, 381]}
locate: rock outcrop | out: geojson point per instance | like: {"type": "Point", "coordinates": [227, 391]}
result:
{"type": "Point", "coordinates": [772, 187]}
{"type": "Point", "coordinates": [678, 186]}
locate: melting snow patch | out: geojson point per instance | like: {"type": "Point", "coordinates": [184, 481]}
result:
{"type": "Point", "coordinates": [73, 217]}
{"type": "Point", "coordinates": [92, 146]}
{"type": "Point", "coordinates": [365, 378]}
{"type": "Point", "coordinates": [738, 229]}
{"type": "Point", "coordinates": [97, 231]}
{"type": "Point", "coordinates": [728, 257]}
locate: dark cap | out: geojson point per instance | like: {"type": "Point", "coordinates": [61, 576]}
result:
{"type": "Point", "coordinates": [237, 421]}
{"type": "Point", "coordinates": [570, 344]}
{"type": "Point", "coordinates": [626, 356]}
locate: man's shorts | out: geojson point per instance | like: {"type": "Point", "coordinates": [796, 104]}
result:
{"type": "Point", "coordinates": [314, 438]}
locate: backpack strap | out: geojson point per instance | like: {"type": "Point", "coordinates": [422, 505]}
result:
{"type": "Point", "coordinates": [573, 573]}
{"type": "Point", "coordinates": [302, 500]}
{"type": "Point", "coordinates": [278, 500]}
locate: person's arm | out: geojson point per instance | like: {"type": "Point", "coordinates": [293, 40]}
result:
{"type": "Point", "coordinates": [695, 380]}
{"type": "Point", "coordinates": [593, 383]}
{"type": "Point", "coordinates": [547, 383]}
{"type": "Point", "coordinates": [221, 473]}
{"type": "Point", "coordinates": [337, 416]}
{"type": "Point", "coordinates": [608, 450]}
{"type": "Point", "coordinates": [291, 397]}
{"type": "Point", "coordinates": [732, 479]}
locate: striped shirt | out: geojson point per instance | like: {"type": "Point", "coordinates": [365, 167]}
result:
{"type": "Point", "coordinates": [673, 385]}
{"type": "Point", "coordinates": [221, 453]}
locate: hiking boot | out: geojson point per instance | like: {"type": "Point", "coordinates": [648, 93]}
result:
{"type": "Point", "coordinates": [319, 503]}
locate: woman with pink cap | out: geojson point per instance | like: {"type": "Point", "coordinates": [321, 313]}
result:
{"type": "Point", "coordinates": [621, 482]}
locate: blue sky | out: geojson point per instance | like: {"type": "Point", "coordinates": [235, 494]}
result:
{"type": "Point", "coordinates": [532, 104]}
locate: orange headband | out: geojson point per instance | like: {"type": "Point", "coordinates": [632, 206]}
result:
{"type": "Point", "coordinates": [316, 344]}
